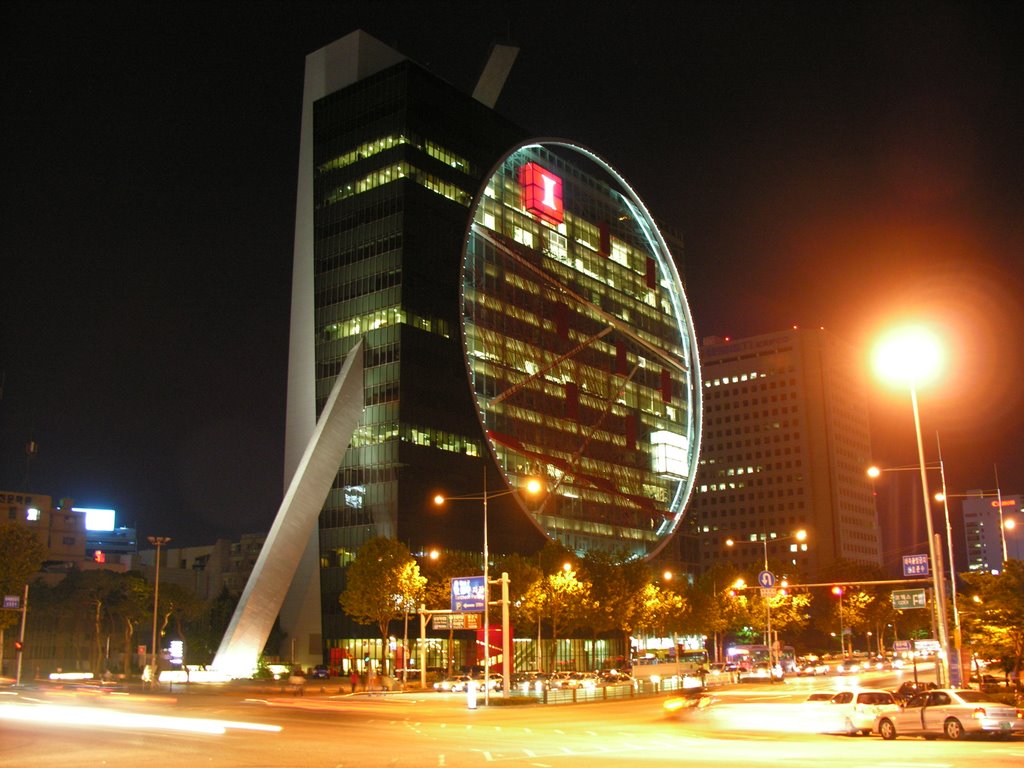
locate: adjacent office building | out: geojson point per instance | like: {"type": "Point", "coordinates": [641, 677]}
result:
{"type": "Point", "coordinates": [786, 445]}
{"type": "Point", "coordinates": [991, 534]}
{"type": "Point", "coordinates": [521, 316]}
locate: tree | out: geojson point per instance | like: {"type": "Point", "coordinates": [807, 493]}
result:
{"type": "Point", "coordinates": [992, 621]}
{"type": "Point", "coordinates": [21, 555]}
{"type": "Point", "coordinates": [616, 584]}
{"type": "Point", "coordinates": [183, 606]}
{"type": "Point", "coordinates": [712, 609]}
{"type": "Point", "coordinates": [659, 611]}
{"type": "Point", "coordinates": [561, 598]}
{"type": "Point", "coordinates": [439, 572]}
{"type": "Point", "coordinates": [382, 583]}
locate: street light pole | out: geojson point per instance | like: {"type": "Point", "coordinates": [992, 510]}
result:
{"type": "Point", "coordinates": [937, 578]}
{"type": "Point", "coordinates": [158, 541]}
{"type": "Point", "coordinates": [957, 637]}
{"type": "Point", "coordinates": [533, 486]}
{"type": "Point", "coordinates": [1002, 523]}
{"type": "Point", "coordinates": [911, 356]}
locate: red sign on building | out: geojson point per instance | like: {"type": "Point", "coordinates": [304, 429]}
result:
{"type": "Point", "coordinates": [542, 193]}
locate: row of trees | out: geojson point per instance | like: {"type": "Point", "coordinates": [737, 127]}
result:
{"type": "Point", "coordinates": [601, 596]}
{"type": "Point", "coordinates": [95, 619]}
{"type": "Point", "coordinates": [92, 617]}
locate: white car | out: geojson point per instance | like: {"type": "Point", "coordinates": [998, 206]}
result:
{"type": "Point", "coordinates": [951, 713]}
{"type": "Point", "coordinates": [856, 711]}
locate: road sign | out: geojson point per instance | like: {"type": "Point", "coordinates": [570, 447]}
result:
{"type": "Point", "coordinates": [915, 565]}
{"type": "Point", "coordinates": [769, 592]}
{"type": "Point", "coordinates": [12, 602]}
{"type": "Point", "coordinates": [904, 599]}
{"type": "Point", "coordinates": [456, 621]}
{"type": "Point", "coordinates": [468, 593]}
{"type": "Point", "coordinates": [900, 646]}
{"type": "Point", "coordinates": [766, 579]}
{"type": "Point", "coordinates": [955, 670]}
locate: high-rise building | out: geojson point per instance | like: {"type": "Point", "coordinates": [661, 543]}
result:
{"type": "Point", "coordinates": [987, 532]}
{"type": "Point", "coordinates": [520, 314]}
{"type": "Point", "coordinates": [785, 448]}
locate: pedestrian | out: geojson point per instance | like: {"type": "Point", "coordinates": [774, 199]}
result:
{"type": "Point", "coordinates": [354, 679]}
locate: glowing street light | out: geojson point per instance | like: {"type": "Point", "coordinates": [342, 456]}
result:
{"type": "Point", "coordinates": [533, 486]}
{"type": "Point", "coordinates": [913, 356]}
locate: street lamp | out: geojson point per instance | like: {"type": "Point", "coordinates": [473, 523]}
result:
{"type": "Point", "coordinates": [157, 541]}
{"type": "Point", "coordinates": [912, 356]}
{"type": "Point", "coordinates": [800, 535]}
{"type": "Point", "coordinates": [533, 487]}
{"type": "Point", "coordinates": [940, 496]}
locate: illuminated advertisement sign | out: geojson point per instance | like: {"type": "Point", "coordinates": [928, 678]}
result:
{"type": "Point", "coordinates": [468, 593]}
{"type": "Point", "coordinates": [542, 193]}
{"type": "Point", "coordinates": [97, 519]}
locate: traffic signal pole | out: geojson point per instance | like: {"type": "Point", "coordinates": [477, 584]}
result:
{"type": "Point", "coordinates": [21, 636]}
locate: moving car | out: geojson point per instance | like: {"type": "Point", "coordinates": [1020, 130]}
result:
{"type": "Point", "coordinates": [951, 713]}
{"type": "Point", "coordinates": [820, 697]}
{"type": "Point", "coordinates": [856, 711]}
{"type": "Point", "coordinates": [761, 672]}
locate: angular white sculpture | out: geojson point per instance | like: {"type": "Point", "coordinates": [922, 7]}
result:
{"type": "Point", "coordinates": [295, 523]}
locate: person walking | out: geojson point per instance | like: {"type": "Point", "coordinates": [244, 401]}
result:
{"type": "Point", "coordinates": [354, 679]}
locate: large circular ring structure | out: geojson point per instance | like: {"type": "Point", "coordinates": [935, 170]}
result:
{"type": "Point", "coordinates": [580, 350]}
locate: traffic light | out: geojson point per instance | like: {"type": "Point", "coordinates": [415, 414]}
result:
{"type": "Point", "coordinates": [19, 646]}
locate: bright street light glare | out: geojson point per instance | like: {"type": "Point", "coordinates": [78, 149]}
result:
{"type": "Point", "coordinates": [874, 472]}
{"type": "Point", "coordinates": [910, 355]}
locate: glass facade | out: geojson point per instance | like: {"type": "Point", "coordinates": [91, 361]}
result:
{"type": "Point", "coordinates": [579, 349]}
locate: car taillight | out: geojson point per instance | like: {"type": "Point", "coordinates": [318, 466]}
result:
{"type": "Point", "coordinates": [978, 712]}
{"type": "Point", "coordinates": [1020, 714]}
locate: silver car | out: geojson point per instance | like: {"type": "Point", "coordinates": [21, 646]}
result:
{"type": "Point", "coordinates": [951, 713]}
{"type": "Point", "coordinates": [856, 711]}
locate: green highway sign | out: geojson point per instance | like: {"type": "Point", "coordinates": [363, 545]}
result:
{"type": "Point", "coordinates": [904, 599]}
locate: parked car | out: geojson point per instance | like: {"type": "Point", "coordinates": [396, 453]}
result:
{"type": "Point", "coordinates": [910, 687]}
{"type": "Point", "coordinates": [320, 672]}
{"type": "Point", "coordinates": [951, 713]}
{"type": "Point", "coordinates": [856, 711]}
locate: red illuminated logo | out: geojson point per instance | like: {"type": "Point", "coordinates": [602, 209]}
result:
{"type": "Point", "coordinates": [542, 193]}
{"type": "Point", "coordinates": [1006, 503]}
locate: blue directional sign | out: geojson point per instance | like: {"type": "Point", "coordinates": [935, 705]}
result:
{"type": "Point", "coordinates": [766, 579]}
{"type": "Point", "coordinates": [468, 593]}
{"type": "Point", "coordinates": [915, 565]}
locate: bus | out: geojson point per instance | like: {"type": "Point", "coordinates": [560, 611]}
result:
{"type": "Point", "coordinates": [746, 656]}
{"type": "Point", "coordinates": [688, 665]}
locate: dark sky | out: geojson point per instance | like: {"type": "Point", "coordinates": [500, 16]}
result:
{"type": "Point", "coordinates": [843, 165]}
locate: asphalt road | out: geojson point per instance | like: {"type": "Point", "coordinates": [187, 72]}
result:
{"type": "Point", "coordinates": [754, 725]}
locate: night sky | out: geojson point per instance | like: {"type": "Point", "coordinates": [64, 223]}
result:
{"type": "Point", "coordinates": [844, 165]}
